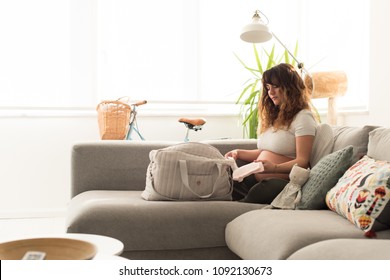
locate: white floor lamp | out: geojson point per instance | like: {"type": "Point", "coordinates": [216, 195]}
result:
{"type": "Point", "coordinates": [320, 84]}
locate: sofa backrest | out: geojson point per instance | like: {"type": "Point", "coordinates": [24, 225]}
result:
{"type": "Point", "coordinates": [355, 136]}
{"type": "Point", "coordinates": [379, 144]}
{"type": "Point", "coordinates": [111, 165]}
{"type": "Point", "coordinates": [323, 143]}
{"type": "Point", "coordinates": [122, 165]}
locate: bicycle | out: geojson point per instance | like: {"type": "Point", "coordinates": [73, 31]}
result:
{"type": "Point", "coordinates": [190, 123]}
{"type": "Point", "coordinates": [133, 125]}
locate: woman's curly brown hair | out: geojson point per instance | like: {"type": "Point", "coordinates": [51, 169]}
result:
{"type": "Point", "coordinates": [295, 96]}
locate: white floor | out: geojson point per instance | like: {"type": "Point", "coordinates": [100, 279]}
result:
{"type": "Point", "coordinates": [18, 228]}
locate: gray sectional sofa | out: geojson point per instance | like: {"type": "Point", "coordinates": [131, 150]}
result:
{"type": "Point", "coordinates": [108, 178]}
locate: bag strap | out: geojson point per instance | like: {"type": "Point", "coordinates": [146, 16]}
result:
{"type": "Point", "coordinates": [124, 100]}
{"type": "Point", "coordinates": [184, 178]}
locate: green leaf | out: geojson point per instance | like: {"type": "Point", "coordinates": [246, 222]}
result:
{"type": "Point", "coordinates": [287, 57]}
{"type": "Point", "coordinates": [296, 49]}
{"type": "Point", "coordinates": [243, 93]}
{"type": "Point", "coordinates": [271, 61]}
{"type": "Point", "coordinates": [295, 53]}
{"type": "Point", "coordinates": [248, 118]}
{"type": "Point", "coordinates": [246, 67]}
{"type": "Point", "coordinates": [259, 66]}
{"type": "Point", "coordinates": [251, 97]}
{"type": "Point", "coordinates": [278, 59]}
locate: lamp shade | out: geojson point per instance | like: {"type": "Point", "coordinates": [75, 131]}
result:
{"type": "Point", "coordinates": [327, 84]}
{"type": "Point", "coordinates": [256, 32]}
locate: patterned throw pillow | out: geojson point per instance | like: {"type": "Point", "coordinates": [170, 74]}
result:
{"type": "Point", "coordinates": [324, 176]}
{"type": "Point", "coordinates": [362, 195]}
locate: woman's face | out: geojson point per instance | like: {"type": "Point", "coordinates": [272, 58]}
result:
{"type": "Point", "coordinates": [275, 93]}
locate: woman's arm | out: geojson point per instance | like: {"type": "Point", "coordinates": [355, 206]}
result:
{"type": "Point", "coordinates": [245, 155]}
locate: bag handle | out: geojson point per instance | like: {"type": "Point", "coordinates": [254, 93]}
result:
{"type": "Point", "coordinates": [184, 178]}
{"type": "Point", "coordinates": [120, 101]}
{"type": "Point", "coordinates": [125, 99]}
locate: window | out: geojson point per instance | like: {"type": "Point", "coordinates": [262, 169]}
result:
{"type": "Point", "coordinates": [338, 39]}
{"type": "Point", "coordinates": [34, 53]}
{"type": "Point", "coordinates": [71, 53]}
{"type": "Point", "coordinates": [147, 49]}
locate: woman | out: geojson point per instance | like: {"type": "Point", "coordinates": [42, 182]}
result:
{"type": "Point", "coordinates": [286, 133]}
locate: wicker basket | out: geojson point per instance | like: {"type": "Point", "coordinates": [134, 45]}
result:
{"type": "Point", "coordinates": [113, 119]}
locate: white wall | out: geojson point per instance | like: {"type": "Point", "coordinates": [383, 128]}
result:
{"type": "Point", "coordinates": [35, 162]}
{"type": "Point", "coordinates": [35, 151]}
{"type": "Point", "coordinates": [379, 63]}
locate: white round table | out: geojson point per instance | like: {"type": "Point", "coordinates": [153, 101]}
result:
{"type": "Point", "coordinates": [105, 245]}
{"type": "Point", "coordinates": [105, 257]}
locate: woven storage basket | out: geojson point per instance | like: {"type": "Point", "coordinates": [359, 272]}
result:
{"type": "Point", "coordinates": [113, 119]}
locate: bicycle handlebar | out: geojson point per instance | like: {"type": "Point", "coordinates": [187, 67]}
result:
{"type": "Point", "coordinates": [139, 103]}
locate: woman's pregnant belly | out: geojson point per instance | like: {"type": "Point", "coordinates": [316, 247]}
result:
{"type": "Point", "coordinates": [275, 158]}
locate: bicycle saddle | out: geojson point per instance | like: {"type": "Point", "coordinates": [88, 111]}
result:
{"type": "Point", "coordinates": [194, 122]}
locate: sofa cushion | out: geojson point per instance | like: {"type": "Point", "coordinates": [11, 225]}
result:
{"type": "Point", "coordinates": [355, 136]}
{"type": "Point", "coordinates": [153, 225]}
{"type": "Point", "coordinates": [362, 195]}
{"type": "Point", "coordinates": [323, 143]}
{"type": "Point", "coordinates": [276, 234]}
{"type": "Point", "coordinates": [323, 177]}
{"type": "Point", "coordinates": [379, 144]}
{"type": "Point", "coordinates": [345, 249]}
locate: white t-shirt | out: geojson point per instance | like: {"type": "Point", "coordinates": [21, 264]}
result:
{"type": "Point", "coordinates": [282, 141]}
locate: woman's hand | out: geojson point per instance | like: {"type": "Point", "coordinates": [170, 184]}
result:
{"type": "Point", "coordinates": [232, 154]}
{"type": "Point", "coordinates": [269, 167]}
